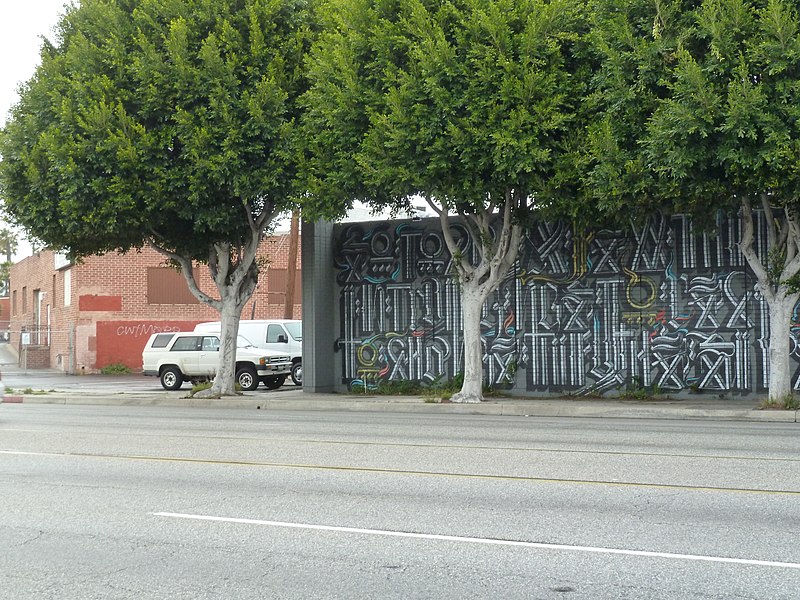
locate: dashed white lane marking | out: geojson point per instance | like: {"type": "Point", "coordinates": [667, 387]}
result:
{"type": "Point", "coordinates": [488, 541]}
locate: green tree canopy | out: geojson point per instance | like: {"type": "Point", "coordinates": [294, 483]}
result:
{"type": "Point", "coordinates": [699, 111]}
{"type": "Point", "coordinates": [457, 102]}
{"type": "Point", "coordinates": [168, 122]}
{"type": "Point", "coordinates": [164, 118]}
{"type": "Point", "coordinates": [473, 105]}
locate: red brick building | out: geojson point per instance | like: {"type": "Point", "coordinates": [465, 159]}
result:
{"type": "Point", "coordinates": [5, 317]}
{"type": "Point", "coordinates": [82, 317]}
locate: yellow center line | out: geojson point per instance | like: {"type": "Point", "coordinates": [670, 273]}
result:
{"type": "Point", "coordinates": [435, 446]}
{"type": "Point", "coordinates": [388, 471]}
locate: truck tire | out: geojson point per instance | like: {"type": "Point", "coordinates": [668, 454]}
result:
{"type": "Point", "coordinates": [171, 378]}
{"type": "Point", "coordinates": [297, 373]}
{"type": "Point", "coordinates": [247, 378]}
{"type": "Point", "coordinates": [274, 382]}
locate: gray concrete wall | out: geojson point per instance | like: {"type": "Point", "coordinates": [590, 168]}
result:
{"type": "Point", "coordinates": [319, 325]}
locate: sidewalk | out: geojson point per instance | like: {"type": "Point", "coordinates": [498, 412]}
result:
{"type": "Point", "coordinates": [700, 406]}
{"type": "Point", "coordinates": [712, 408]}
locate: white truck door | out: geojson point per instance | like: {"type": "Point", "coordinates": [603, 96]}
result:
{"type": "Point", "coordinates": [186, 351]}
{"type": "Point", "coordinates": [208, 357]}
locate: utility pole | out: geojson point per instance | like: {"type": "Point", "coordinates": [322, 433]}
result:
{"type": "Point", "coordinates": [291, 269]}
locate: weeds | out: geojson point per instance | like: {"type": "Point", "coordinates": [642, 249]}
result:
{"type": "Point", "coordinates": [432, 392]}
{"type": "Point", "coordinates": [443, 390]}
{"type": "Point", "coordinates": [397, 388]}
{"type": "Point", "coordinates": [115, 369]}
{"type": "Point", "coordinates": [199, 387]}
{"type": "Point", "coordinates": [634, 394]}
{"type": "Point", "coordinates": [636, 391]}
{"type": "Point", "coordinates": [788, 402]}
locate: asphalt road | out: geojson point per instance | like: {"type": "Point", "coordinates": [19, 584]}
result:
{"type": "Point", "coordinates": [161, 502]}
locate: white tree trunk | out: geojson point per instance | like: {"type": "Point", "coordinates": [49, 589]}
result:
{"type": "Point", "coordinates": [497, 250]}
{"type": "Point", "coordinates": [780, 307]}
{"type": "Point", "coordinates": [234, 291]}
{"type": "Point", "coordinates": [235, 278]}
{"type": "Point", "coordinates": [472, 303]}
{"type": "Point", "coordinates": [776, 276]}
{"type": "Point", "coordinates": [225, 381]}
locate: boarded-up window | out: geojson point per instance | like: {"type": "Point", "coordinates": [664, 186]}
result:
{"type": "Point", "coordinates": [276, 286]}
{"type": "Point", "coordinates": [167, 286]}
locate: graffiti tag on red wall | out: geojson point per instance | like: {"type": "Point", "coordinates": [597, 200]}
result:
{"type": "Point", "coordinates": [122, 342]}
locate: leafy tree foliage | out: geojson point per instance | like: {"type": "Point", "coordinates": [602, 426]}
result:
{"type": "Point", "coordinates": [700, 113]}
{"type": "Point", "coordinates": [163, 122]}
{"type": "Point", "coordinates": [470, 104]}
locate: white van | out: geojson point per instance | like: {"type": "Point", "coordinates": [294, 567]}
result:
{"type": "Point", "coordinates": [278, 335]}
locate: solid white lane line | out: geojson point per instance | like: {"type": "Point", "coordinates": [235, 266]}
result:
{"type": "Point", "coordinates": [488, 541]}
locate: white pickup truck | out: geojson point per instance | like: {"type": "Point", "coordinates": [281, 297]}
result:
{"type": "Point", "coordinates": [194, 356]}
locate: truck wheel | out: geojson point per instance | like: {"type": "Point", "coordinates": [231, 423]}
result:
{"type": "Point", "coordinates": [297, 373]}
{"type": "Point", "coordinates": [247, 379]}
{"type": "Point", "coordinates": [171, 378]}
{"type": "Point", "coordinates": [274, 382]}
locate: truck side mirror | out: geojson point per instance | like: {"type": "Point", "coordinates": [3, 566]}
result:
{"type": "Point", "coordinates": [282, 339]}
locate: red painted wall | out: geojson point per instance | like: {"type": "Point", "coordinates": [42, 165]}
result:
{"type": "Point", "coordinates": [93, 302]}
{"type": "Point", "coordinates": [122, 342]}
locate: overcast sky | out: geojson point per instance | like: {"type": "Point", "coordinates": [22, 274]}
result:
{"type": "Point", "coordinates": [22, 24]}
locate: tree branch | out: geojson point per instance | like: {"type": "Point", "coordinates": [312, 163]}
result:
{"type": "Point", "coordinates": [772, 233]}
{"type": "Point", "coordinates": [792, 265]}
{"type": "Point", "coordinates": [434, 206]}
{"type": "Point", "coordinates": [463, 267]}
{"type": "Point", "coordinates": [746, 246]}
{"type": "Point", "coordinates": [222, 258]}
{"type": "Point", "coordinates": [793, 237]}
{"type": "Point", "coordinates": [507, 245]}
{"type": "Point", "coordinates": [472, 223]}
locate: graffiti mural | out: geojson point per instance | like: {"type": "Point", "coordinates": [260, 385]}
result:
{"type": "Point", "coordinates": [582, 311]}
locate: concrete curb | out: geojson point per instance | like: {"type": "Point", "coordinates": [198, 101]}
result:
{"type": "Point", "coordinates": [403, 404]}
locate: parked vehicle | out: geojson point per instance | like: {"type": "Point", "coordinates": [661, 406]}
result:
{"type": "Point", "coordinates": [276, 335]}
{"type": "Point", "coordinates": [194, 356]}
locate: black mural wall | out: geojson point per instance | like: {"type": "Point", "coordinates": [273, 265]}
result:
{"type": "Point", "coordinates": [582, 312]}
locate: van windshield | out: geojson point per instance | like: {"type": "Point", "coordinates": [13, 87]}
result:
{"type": "Point", "coordinates": [295, 330]}
{"type": "Point", "coordinates": [243, 342]}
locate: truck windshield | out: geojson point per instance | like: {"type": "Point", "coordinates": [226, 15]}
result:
{"type": "Point", "coordinates": [295, 330]}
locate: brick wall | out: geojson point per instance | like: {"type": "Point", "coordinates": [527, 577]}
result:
{"type": "Point", "coordinates": [5, 315]}
{"type": "Point", "coordinates": [108, 294]}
